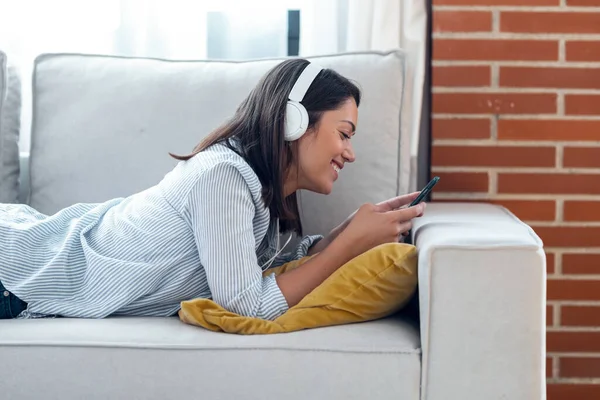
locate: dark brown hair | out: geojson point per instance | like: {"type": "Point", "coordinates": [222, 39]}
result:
{"type": "Point", "coordinates": [258, 128]}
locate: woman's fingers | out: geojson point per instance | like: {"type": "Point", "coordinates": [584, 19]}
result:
{"type": "Point", "coordinates": [397, 202]}
{"type": "Point", "coordinates": [407, 214]}
{"type": "Point", "coordinates": [405, 228]}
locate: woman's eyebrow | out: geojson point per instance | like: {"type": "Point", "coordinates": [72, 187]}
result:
{"type": "Point", "coordinates": [353, 127]}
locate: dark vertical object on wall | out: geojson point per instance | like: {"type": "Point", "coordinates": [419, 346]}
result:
{"type": "Point", "coordinates": [293, 38]}
{"type": "Point", "coordinates": [424, 151]}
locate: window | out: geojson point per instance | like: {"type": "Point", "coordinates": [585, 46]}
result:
{"type": "Point", "coordinates": [234, 35]}
{"type": "Point", "coordinates": [176, 29]}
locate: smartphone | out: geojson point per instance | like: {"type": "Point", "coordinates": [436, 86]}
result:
{"type": "Point", "coordinates": [426, 190]}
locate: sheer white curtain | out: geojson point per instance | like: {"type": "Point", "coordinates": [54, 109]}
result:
{"type": "Point", "coordinates": [172, 29]}
{"type": "Point", "coordinates": [233, 29]}
{"type": "Point", "coordinates": [148, 28]}
{"type": "Point", "coordinates": [332, 26]}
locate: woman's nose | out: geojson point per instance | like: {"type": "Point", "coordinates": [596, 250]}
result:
{"type": "Point", "coordinates": [348, 154]}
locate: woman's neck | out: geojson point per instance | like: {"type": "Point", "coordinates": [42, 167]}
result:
{"type": "Point", "coordinates": [290, 183]}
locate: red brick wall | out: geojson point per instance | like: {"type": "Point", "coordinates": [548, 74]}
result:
{"type": "Point", "coordinates": [516, 108]}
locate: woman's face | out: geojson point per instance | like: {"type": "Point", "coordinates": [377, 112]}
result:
{"type": "Point", "coordinates": [325, 149]}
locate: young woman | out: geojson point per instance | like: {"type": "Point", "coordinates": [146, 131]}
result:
{"type": "Point", "coordinates": [211, 226]}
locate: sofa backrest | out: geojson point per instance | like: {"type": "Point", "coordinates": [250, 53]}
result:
{"type": "Point", "coordinates": [10, 111]}
{"type": "Point", "coordinates": [103, 126]}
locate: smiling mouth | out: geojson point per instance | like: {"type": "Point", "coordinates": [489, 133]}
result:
{"type": "Point", "coordinates": [336, 167]}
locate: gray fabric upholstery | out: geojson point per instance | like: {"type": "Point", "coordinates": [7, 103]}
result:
{"type": "Point", "coordinates": [482, 287]}
{"type": "Point", "coordinates": [10, 110]}
{"type": "Point", "coordinates": [103, 126]}
{"type": "Point", "coordinates": [162, 358]}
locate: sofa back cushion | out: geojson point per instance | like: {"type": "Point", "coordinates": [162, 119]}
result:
{"type": "Point", "coordinates": [103, 126]}
{"type": "Point", "coordinates": [10, 116]}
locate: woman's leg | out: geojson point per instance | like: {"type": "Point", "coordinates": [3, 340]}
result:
{"type": "Point", "coordinates": [10, 305]}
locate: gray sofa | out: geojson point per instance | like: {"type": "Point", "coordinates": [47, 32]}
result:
{"type": "Point", "coordinates": [102, 128]}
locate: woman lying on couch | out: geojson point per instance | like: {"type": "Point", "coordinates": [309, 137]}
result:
{"type": "Point", "coordinates": [211, 227]}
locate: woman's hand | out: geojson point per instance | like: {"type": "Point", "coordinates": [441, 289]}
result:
{"type": "Point", "coordinates": [397, 202]}
{"type": "Point", "coordinates": [375, 224]}
{"type": "Point", "coordinates": [388, 205]}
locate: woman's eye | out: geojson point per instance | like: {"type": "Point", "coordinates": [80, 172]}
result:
{"type": "Point", "coordinates": [347, 137]}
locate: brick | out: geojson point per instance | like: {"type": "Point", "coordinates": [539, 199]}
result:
{"type": "Point", "coordinates": [495, 50]}
{"type": "Point", "coordinates": [493, 156]}
{"type": "Point", "coordinates": [575, 210]}
{"type": "Point", "coordinates": [548, 130]}
{"type": "Point", "coordinates": [462, 21]}
{"type": "Point", "coordinates": [462, 182]}
{"type": "Point", "coordinates": [550, 183]}
{"type": "Point", "coordinates": [574, 263]}
{"type": "Point", "coordinates": [549, 315]}
{"type": "Point", "coordinates": [461, 76]}
{"type": "Point", "coordinates": [584, 50]}
{"type": "Point", "coordinates": [494, 103]}
{"type": "Point", "coordinates": [580, 367]}
{"type": "Point", "coordinates": [497, 2]}
{"type": "Point", "coordinates": [461, 128]}
{"type": "Point", "coordinates": [572, 391]}
{"type": "Point", "coordinates": [582, 157]}
{"type": "Point", "coordinates": [570, 236]}
{"type": "Point", "coordinates": [568, 289]}
{"type": "Point", "coordinates": [550, 77]}
{"type": "Point", "coordinates": [583, 3]}
{"type": "Point", "coordinates": [530, 210]}
{"type": "Point", "coordinates": [582, 104]}
{"type": "Point", "coordinates": [550, 22]}
{"type": "Point", "coordinates": [573, 342]}
{"type": "Point", "coordinates": [584, 316]}
{"type": "Point", "coordinates": [550, 262]}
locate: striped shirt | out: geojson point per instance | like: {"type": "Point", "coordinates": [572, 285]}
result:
{"type": "Point", "coordinates": [202, 232]}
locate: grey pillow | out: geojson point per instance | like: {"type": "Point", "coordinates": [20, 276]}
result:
{"type": "Point", "coordinates": [102, 126]}
{"type": "Point", "coordinates": [10, 111]}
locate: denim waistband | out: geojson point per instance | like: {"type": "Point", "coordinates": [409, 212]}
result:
{"type": "Point", "coordinates": [10, 305]}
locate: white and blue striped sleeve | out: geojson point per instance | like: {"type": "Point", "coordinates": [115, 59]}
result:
{"type": "Point", "coordinates": [300, 251]}
{"type": "Point", "coordinates": [221, 211]}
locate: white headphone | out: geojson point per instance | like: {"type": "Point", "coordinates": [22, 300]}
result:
{"type": "Point", "coordinates": [296, 117]}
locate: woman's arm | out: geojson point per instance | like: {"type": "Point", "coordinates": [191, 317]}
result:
{"type": "Point", "coordinates": [221, 211]}
{"type": "Point", "coordinates": [371, 226]}
{"type": "Point", "coordinates": [297, 283]}
{"type": "Point", "coordinates": [319, 246]}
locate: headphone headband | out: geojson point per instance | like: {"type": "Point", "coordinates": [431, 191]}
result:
{"type": "Point", "coordinates": [304, 81]}
{"type": "Point", "coordinates": [296, 116]}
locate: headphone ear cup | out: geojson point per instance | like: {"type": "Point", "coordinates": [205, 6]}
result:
{"type": "Point", "coordinates": [296, 120]}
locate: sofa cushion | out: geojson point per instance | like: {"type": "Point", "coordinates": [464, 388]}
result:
{"type": "Point", "coordinates": [162, 358]}
{"type": "Point", "coordinates": [103, 126]}
{"type": "Point", "coordinates": [373, 285]}
{"type": "Point", "coordinates": [10, 116]}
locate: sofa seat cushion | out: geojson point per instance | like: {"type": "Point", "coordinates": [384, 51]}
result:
{"type": "Point", "coordinates": [158, 358]}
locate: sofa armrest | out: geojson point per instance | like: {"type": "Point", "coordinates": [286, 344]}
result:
{"type": "Point", "coordinates": [482, 295]}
